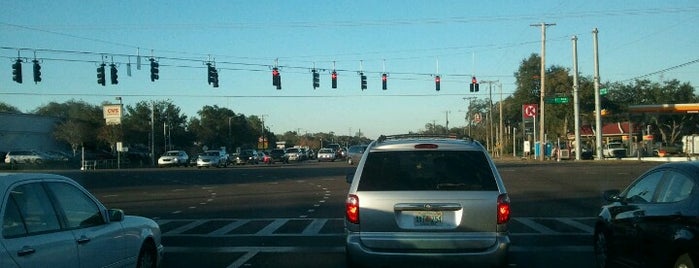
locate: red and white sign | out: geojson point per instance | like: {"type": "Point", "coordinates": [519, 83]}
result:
{"type": "Point", "coordinates": [477, 118]}
{"type": "Point", "coordinates": [529, 110]}
{"type": "Point", "coordinates": [112, 114]}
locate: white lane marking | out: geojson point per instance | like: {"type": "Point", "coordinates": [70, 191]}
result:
{"type": "Point", "coordinates": [315, 227]}
{"type": "Point", "coordinates": [229, 227]}
{"type": "Point", "coordinates": [270, 228]}
{"type": "Point", "coordinates": [243, 259]}
{"type": "Point", "coordinates": [186, 227]}
{"type": "Point", "coordinates": [323, 249]}
{"type": "Point", "coordinates": [536, 226]}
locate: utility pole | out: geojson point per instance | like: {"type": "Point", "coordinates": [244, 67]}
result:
{"type": "Point", "coordinates": [468, 114]}
{"type": "Point", "coordinates": [542, 144]}
{"type": "Point", "coordinates": [489, 141]}
{"type": "Point", "coordinates": [262, 120]}
{"type": "Point", "coordinates": [576, 100]}
{"type": "Point", "coordinates": [152, 133]}
{"type": "Point", "coordinates": [447, 117]}
{"type": "Point", "coordinates": [501, 140]}
{"type": "Point", "coordinates": [598, 111]}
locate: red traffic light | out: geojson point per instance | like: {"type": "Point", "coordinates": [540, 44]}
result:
{"type": "Point", "coordinates": [473, 80]}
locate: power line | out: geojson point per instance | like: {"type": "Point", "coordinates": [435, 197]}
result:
{"type": "Point", "coordinates": [663, 70]}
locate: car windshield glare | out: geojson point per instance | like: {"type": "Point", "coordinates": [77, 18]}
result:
{"type": "Point", "coordinates": [427, 171]}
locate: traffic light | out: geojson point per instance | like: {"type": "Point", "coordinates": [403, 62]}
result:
{"type": "Point", "coordinates": [474, 84]}
{"type": "Point", "coordinates": [316, 79]}
{"type": "Point", "coordinates": [113, 74]}
{"type": "Point", "coordinates": [17, 71]}
{"type": "Point", "coordinates": [100, 75]}
{"type": "Point", "coordinates": [276, 78]}
{"type": "Point", "coordinates": [37, 71]}
{"type": "Point", "coordinates": [215, 77]}
{"type": "Point", "coordinates": [363, 78]}
{"type": "Point", "coordinates": [212, 74]}
{"type": "Point", "coordinates": [154, 70]}
{"type": "Point", "coordinates": [333, 77]}
{"type": "Point", "coordinates": [437, 80]}
{"type": "Point", "coordinates": [384, 81]}
{"type": "Point", "coordinates": [279, 81]}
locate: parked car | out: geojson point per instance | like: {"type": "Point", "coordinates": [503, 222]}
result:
{"type": "Point", "coordinates": [279, 155]}
{"type": "Point", "coordinates": [294, 154]}
{"type": "Point", "coordinates": [58, 156]}
{"type": "Point", "coordinates": [326, 154]}
{"type": "Point", "coordinates": [212, 158]}
{"type": "Point", "coordinates": [311, 154]}
{"type": "Point", "coordinates": [26, 157]}
{"type": "Point", "coordinates": [248, 156]}
{"type": "Point", "coordinates": [354, 153]}
{"type": "Point", "coordinates": [336, 147]}
{"type": "Point", "coordinates": [654, 222]}
{"type": "Point", "coordinates": [51, 221]}
{"type": "Point", "coordinates": [426, 201]}
{"type": "Point", "coordinates": [193, 160]}
{"type": "Point", "coordinates": [173, 158]}
{"type": "Point", "coordinates": [266, 158]}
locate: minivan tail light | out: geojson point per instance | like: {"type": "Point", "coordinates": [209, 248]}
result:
{"type": "Point", "coordinates": [503, 208]}
{"type": "Point", "coordinates": [352, 209]}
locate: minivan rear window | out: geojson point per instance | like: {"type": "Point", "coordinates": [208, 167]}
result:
{"type": "Point", "coordinates": [427, 171]}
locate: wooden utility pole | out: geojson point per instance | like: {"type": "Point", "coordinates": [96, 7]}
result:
{"type": "Point", "coordinates": [542, 142]}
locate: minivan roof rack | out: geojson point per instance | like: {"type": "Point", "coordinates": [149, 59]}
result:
{"type": "Point", "coordinates": [382, 138]}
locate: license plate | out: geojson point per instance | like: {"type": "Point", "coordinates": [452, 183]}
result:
{"type": "Point", "coordinates": [428, 218]}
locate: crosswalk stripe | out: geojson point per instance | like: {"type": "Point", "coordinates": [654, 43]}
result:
{"type": "Point", "coordinates": [229, 227]}
{"type": "Point", "coordinates": [313, 227]}
{"type": "Point", "coordinates": [270, 228]}
{"type": "Point", "coordinates": [323, 249]}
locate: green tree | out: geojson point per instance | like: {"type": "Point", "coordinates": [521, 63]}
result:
{"type": "Point", "coordinates": [6, 108]}
{"type": "Point", "coordinates": [73, 132]}
{"type": "Point", "coordinates": [221, 127]}
{"type": "Point", "coordinates": [645, 92]}
{"type": "Point", "coordinates": [85, 117]}
{"type": "Point", "coordinates": [169, 128]}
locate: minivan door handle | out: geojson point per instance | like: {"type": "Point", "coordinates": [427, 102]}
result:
{"type": "Point", "coordinates": [427, 207]}
{"type": "Point", "coordinates": [26, 251]}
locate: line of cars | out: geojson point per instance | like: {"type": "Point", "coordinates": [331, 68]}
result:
{"type": "Point", "coordinates": [220, 158]}
{"type": "Point", "coordinates": [33, 157]}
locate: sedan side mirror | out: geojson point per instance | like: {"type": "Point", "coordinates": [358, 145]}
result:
{"type": "Point", "coordinates": [115, 215]}
{"type": "Point", "coordinates": [612, 195]}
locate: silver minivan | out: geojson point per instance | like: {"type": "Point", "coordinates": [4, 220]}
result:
{"type": "Point", "coordinates": [426, 200]}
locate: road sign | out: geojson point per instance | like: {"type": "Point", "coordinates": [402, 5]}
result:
{"type": "Point", "coordinates": [603, 91]}
{"type": "Point", "coordinates": [477, 118]}
{"type": "Point", "coordinates": [556, 100]}
{"type": "Point", "coordinates": [529, 110]}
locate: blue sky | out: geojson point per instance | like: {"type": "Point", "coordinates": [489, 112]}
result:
{"type": "Point", "coordinates": [409, 40]}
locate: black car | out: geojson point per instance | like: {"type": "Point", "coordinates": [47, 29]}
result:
{"type": "Point", "coordinates": [279, 155]}
{"type": "Point", "coordinates": [654, 222]}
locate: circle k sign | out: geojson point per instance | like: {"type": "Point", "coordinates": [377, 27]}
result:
{"type": "Point", "coordinates": [529, 110]}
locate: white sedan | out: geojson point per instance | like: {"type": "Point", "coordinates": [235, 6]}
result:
{"type": "Point", "coordinates": [51, 221]}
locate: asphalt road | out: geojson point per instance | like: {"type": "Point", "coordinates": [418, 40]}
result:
{"type": "Point", "coordinates": [291, 215]}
